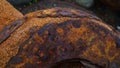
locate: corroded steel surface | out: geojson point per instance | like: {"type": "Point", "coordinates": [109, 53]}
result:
{"type": "Point", "coordinates": [19, 31]}
{"type": "Point", "coordinates": [57, 36]}
{"type": "Point", "coordinates": [8, 14]}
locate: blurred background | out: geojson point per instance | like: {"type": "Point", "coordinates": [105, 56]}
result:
{"type": "Point", "coordinates": [107, 10]}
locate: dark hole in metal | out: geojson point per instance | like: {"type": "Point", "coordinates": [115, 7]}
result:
{"type": "Point", "coordinates": [75, 63]}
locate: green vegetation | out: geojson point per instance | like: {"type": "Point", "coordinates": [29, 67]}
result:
{"type": "Point", "coordinates": [33, 1]}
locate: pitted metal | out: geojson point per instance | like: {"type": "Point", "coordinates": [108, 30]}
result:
{"type": "Point", "coordinates": [59, 37]}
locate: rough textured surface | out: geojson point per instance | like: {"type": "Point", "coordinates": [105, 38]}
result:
{"type": "Point", "coordinates": [8, 14]}
{"type": "Point", "coordinates": [14, 36]}
{"type": "Point", "coordinates": [54, 36]}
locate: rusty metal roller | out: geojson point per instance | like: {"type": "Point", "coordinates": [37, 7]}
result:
{"type": "Point", "coordinates": [59, 38]}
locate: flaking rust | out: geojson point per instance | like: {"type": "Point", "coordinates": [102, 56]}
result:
{"type": "Point", "coordinates": [60, 38]}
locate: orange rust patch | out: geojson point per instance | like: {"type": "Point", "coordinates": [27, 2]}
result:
{"type": "Point", "coordinates": [8, 14]}
{"type": "Point", "coordinates": [38, 38]}
{"type": "Point", "coordinates": [110, 50]}
{"type": "Point", "coordinates": [60, 31]}
{"type": "Point", "coordinates": [60, 38]}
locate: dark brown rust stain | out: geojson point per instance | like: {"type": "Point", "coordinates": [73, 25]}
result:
{"type": "Point", "coordinates": [97, 28]}
{"type": "Point", "coordinates": [102, 31]}
{"type": "Point", "coordinates": [53, 43]}
{"type": "Point", "coordinates": [8, 30]}
{"type": "Point", "coordinates": [54, 46]}
{"type": "Point", "coordinates": [57, 42]}
{"type": "Point", "coordinates": [118, 42]}
{"type": "Point", "coordinates": [16, 60]}
{"type": "Point", "coordinates": [74, 38]}
{"type": "Point", "coordinates": [76, 24]}
{"type": "Point", "coordinates": [29, 65]}
{"type": "Point", "coordinates": [63, 12]}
